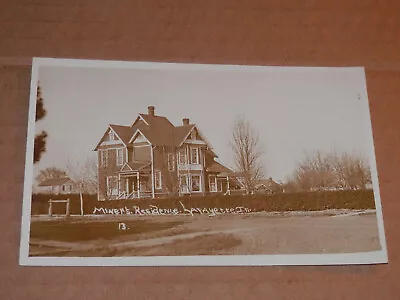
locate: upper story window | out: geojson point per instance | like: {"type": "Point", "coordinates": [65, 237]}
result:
{"type": "Point", "coordinates": [182, 156]}
{"type": "Point", "coordinates": [194, 156]}
{"type": "Point", "coordinates": [120, 156]}
{"type": "Point", "coordinates": [171, 162]}
{"type": "Point", "coordinates": [111, 135]}
{"type": "Point", "coordinates": [103, 158]}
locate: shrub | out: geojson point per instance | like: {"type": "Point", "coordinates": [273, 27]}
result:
{"type": "Point", "coordinates": [301, 201]}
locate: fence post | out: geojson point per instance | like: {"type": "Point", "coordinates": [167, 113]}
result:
{"type": "Point", "coordinates": [50, 207]}
{"type": "Point", "coordinates": [67, 209]}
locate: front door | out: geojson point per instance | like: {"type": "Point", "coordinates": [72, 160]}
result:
{"type": "Point", "coordinates": [183, 184]}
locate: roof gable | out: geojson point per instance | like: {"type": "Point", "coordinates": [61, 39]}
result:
{"type": "Point", "coordinates": [156, 129]}
{"type": "Point", "coordinates": [122, 134]}
{"type": "Point", "coordinates": [135, 166]}
{"type": "Point", "coordinates": [187, 131]}
{"type": "Point", "coordinates": [266, 182]}
{"type": "Point", "coordinates": [181, 133]}
{"type": "Point", "coordinates": [139, 137]}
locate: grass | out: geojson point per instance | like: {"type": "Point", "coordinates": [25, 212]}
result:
{"type": "Point", "coordinates": [67, 231]}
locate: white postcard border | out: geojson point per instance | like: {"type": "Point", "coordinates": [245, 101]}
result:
{"type": "Point", "coordinates": [374, 257]}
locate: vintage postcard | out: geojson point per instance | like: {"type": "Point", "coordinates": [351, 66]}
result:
{"type": "Point", "coordinates": [167, 164]}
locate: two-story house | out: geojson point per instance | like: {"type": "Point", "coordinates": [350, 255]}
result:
{"type": "Point", "coordinates": [153, 158]}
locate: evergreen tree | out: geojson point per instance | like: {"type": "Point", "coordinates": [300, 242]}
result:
{"type": "Point", "coordinates": [40, 139]}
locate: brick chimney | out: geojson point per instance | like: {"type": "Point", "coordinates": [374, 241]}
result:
{"type": "Point", "coordinates": [185, 121]}
{"type": "Point", "coordinates": [150, 110]}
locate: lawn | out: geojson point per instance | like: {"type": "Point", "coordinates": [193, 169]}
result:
{"type": "Point", "coordinates": [67, 231]}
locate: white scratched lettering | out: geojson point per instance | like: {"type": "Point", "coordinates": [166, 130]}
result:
{"type": "Point", "coordinates": [154, 210]}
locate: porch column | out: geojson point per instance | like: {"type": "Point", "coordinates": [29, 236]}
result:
{"type": "Point", "coordinates": [138, 184]}
{"type": "Point", "coordinates": [152, 172]}
{"type": "Point", "coordinates": [119, 185]}
{"type": "Point", "coordinates": [227, 185]}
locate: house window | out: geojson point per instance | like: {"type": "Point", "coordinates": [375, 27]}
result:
{"type": "Point", "coordinates": [183, 184]}
{"type": "Point", "coordinates": [196, 183]}
{"type": "Point", "coordinates": [194, 155]}
{"type": "Point", "coordinates": [111, 135]}
{"type": "Point", "coordinates": [112, 185]}
{"type": "Point", "coordinates": [171, 162]}
{"type": "Point", "coordinates": [193, 135]}
{"type": "Point", "coordinates": [63, 188]}
{"type": "Point", "coordinates": [70, 187]}
{"type": "Point", "coordinates": [120, 156]}
{"type": "Point", "coordinates": [157, 182]}
{"type": "Point", "coordinates": [103, 157]}
{"type": "Point", "coordinates": [182, 156]}
{"type": "Point", "coordinates": [212, 183]}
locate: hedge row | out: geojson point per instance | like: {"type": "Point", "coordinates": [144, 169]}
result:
{"type": "Point", "coordinates": [304, 201]}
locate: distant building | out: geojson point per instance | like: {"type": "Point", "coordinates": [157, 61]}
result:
{"type": "Point", "coordinates": [267, 186]}
{"type": "Point", "coordinates": [57, 186]}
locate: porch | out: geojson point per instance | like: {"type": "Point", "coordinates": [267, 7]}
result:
{"type": "Point", "coordinates": [133, 181]}
{"type": "Point", "coordinates": [223, 183]}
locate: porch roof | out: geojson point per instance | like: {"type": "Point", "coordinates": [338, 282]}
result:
{"type": "Point", "coordinates": [216, 167]}
{"type": "Point", "coordinates": [136, 166]}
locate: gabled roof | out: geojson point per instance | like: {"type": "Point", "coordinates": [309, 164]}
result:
{"type": "Point", "coordinates": [181, 132]}
{"type": "Point", "coordinates": [136, 165]}
{"type": "Point", "coordinates": [156, 120]}
{"type": "Point", "coordinates": [55, 181]}
{"type": "Point", "coordinates": [266, 183]}
{"type": "Point", "coordinates": [123, 132]}
{"type": "Point", "coordinates": [158, 130]}
{"type": "Point", "coordinates": [216, 167]}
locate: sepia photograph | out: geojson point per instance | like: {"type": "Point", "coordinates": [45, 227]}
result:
{"type": "Point", "coordinates": [172, 164]}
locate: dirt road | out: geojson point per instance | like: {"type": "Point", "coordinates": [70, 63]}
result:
{"type": "Point", "coordinates": [241, 234]}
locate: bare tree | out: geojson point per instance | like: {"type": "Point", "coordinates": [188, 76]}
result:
{"type": "Point", "coordinates": [167, 165]}
{"type": "Point", "coordinates": [315, 172]}
{"type": "Point", "coordinates": [84, 174]}
{"type": "Point", "coordinates": [246, 146]}
{"type": "Point", "coordinates": [332, 170]}
{"type": "Point", "coordinates": [351, 170]}
{"type": "Point", "coordinates": [50, 173]}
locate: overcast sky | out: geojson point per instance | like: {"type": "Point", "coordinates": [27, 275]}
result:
{"type": "Point", "coordinates": [294, 110]}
